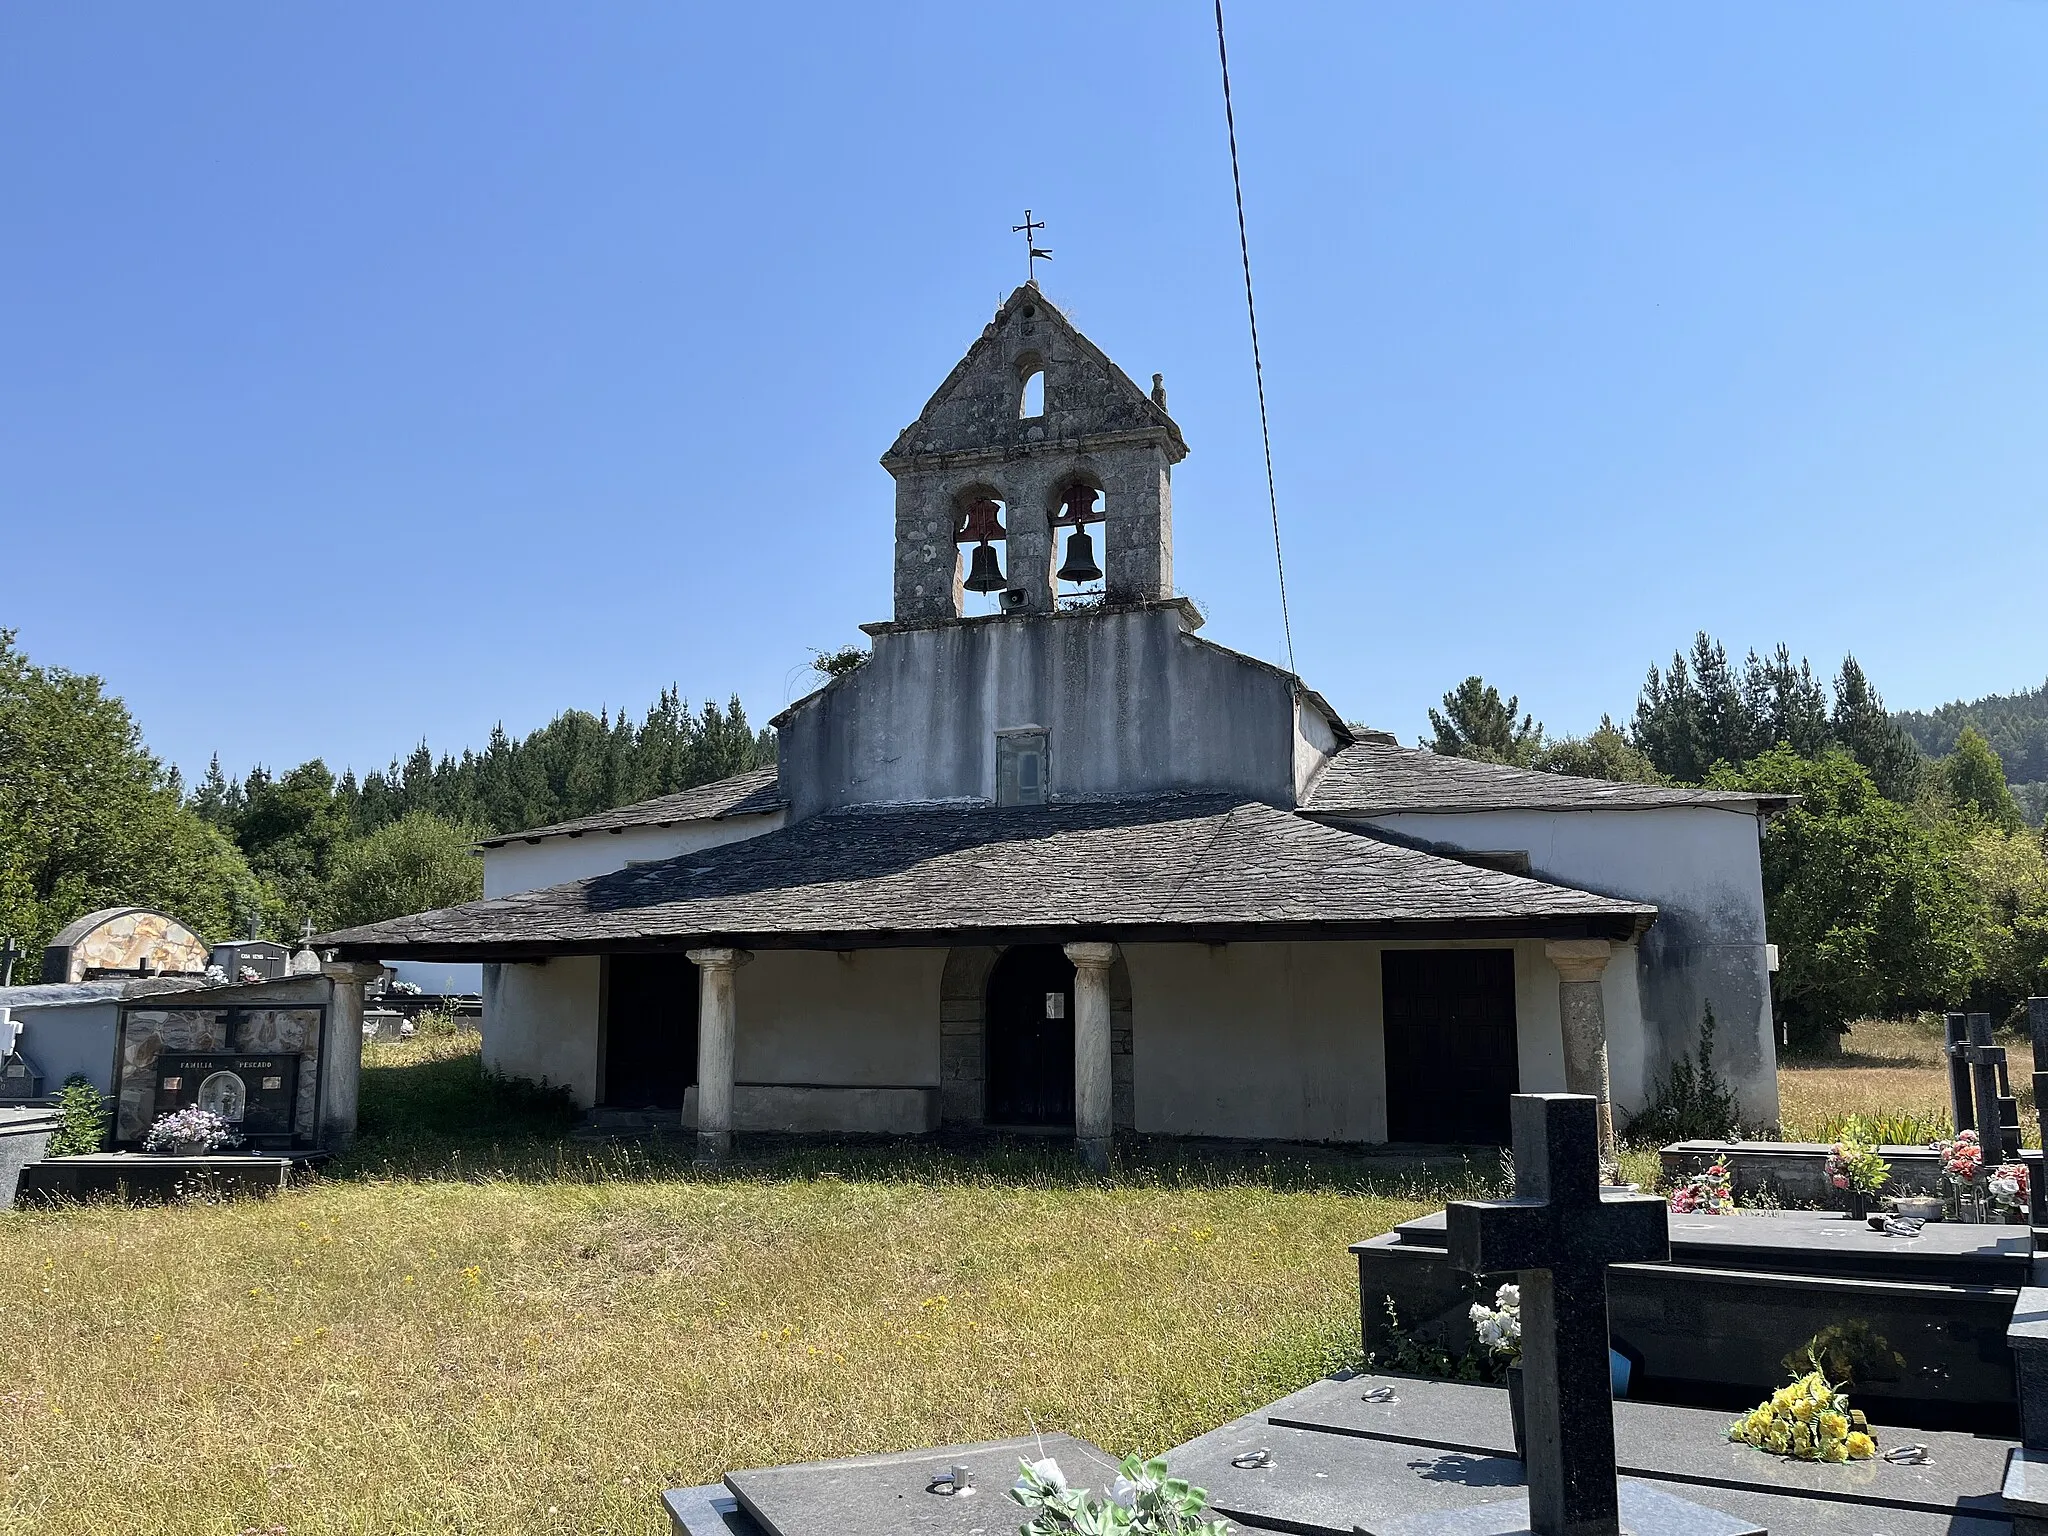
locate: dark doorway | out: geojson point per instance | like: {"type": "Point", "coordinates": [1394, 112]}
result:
{"type": "Point", "coordinates": [650, 1031]}
{"type": "Point", "coordinates": [1450, 1033]}
{"type": "Point", "coordinates": [1030, 1037]}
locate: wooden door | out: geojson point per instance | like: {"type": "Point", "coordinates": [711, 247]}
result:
{"type": "Point", "coordinates": [1029, 1037]}
{"type": "Point", "coordinates": [650, 1031]}
{"type": "Point", "coordinates": [1450, 1042]}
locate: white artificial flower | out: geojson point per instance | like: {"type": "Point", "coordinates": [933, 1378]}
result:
{"type": "Point", "coordinates": [1048, 1472]}
{"type": "Point", "coordinates": [1509, 1297]}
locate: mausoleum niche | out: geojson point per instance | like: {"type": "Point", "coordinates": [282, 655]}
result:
{"type": "Point", "coordinates": [1077, 503]}
{"type": "Point", "coordinates": [978, 513]}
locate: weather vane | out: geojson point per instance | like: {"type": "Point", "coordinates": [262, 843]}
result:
{"type": "Point", "coordinates": [1028, 229]}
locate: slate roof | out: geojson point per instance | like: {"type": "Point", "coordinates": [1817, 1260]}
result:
{"type": "Point", "coordinates": [1374, 778]}
{"type": "Point", "coordinates": [744, 794]}
{"type": "Point", "coordinates": [1184, 866]}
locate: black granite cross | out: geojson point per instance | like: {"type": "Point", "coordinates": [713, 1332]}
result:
{"type": "Point", "coordinates": [1560, 1236]}
{"type": "Point", "coordinates": [8, 955]}
{"type": "Point", "coordinates": [1995, 1114]}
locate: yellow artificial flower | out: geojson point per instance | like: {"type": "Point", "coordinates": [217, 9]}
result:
{"type": "Point", "coordinates": [1834, 1451]}
{"type": "Point", "coordinates": [1804, 1410]}
{"type": "Point", "coordinates": [1834, 1425]}
{"type": "Point", "coordinates": [1860, 1446]}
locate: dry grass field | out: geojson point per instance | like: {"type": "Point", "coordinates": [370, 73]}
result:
{"type": "Point", "coordinates": [485, 1327]}
{"type": "Point", "coordinates": [463, 1335]}
{"type": "Point", "coordinates": [1892, 1073]}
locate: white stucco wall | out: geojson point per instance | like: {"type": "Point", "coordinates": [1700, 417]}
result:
{"type": "Point", "coordinates": [866, 1018]}
{"type": "Point", "coordinates": [1285, 1041]}
{"type": "Point", "coordinates": [1132, 704]}
{"type": "Point", "coordinates": [523, 866]}
{"type": "Point", "coordinates": [541, 1022]}
{"type": "Point", "coordinates": [1263, 1041]}
{"type": "Point", "coordinates": [1701, 867]}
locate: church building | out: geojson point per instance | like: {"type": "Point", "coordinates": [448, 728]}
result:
{"type": "Point", "coordinates": [1069, 867]}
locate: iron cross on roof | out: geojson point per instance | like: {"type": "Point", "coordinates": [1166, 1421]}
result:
{"type": "Point", "coordinates": [1028, 229]}
{"type": "Point", "coordinates": [1560, 1235]}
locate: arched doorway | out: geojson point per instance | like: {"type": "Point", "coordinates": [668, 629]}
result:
{"type": "Point", "coordinates": [1030, 1037]}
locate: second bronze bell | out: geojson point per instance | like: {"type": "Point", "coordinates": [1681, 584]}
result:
{"type": "Point", "coordinates": [1080, 563]}
{"type": "Point", "coordinates": [985, 572]}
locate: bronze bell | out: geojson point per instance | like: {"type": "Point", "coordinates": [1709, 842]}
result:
{"type": "Point", "coordinates": [1080, 564]}
{"type": "Point", "coordinates": [985, 574]}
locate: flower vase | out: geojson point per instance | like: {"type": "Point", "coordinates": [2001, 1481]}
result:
{"type": "Point", "coordinates": [193, 1148]}
{"type": "Point", "coordinates": [1859, 1204]}
{"type": "Point", "coordinates": [1515, 1409]}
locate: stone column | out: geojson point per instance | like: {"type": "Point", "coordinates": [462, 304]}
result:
{"type": "Point", "coordinates": [341, 1051]}
{"type": "Point", "coordinates": [1092, 1088]}
{"type": "Point", "coordinates": [717, 1035]}
{"type": "Point", "coordinates": [1583, 1012]}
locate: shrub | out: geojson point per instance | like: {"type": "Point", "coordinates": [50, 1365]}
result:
{"type": "Point", "coordinates": [85, 1119]}
{"type": "Point", "coordinates": [1695, 1103]}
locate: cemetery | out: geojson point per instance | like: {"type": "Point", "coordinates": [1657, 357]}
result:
{"type": "Point", "coordinates": [1004, 1300]}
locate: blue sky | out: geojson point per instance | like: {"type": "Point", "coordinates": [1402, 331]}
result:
{"type": "Point", "coordinates": [380, 372]}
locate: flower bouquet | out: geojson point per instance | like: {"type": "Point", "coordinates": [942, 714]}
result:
{"type": "Point", "coordinates": [2007, 1188]}
{"type": "Point", "coordinates": [1854, 1167]}
{"type": "Point", "coordinates": [1705, 1194]}
{"type": "Point", "coordinates": [1499, 1328]}
{"type": "Point", "coordinates": [1962, 1171]}
{"type": "Point", "coordinates": [1143, 1501]}
{"type": "Point", "coordinates": [1807, 1421]}
{"type": "Point", "coordinates": [189, 1133]}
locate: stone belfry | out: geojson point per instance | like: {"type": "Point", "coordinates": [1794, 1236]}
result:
{"type": "Point", "coordinates": [1035, 432]}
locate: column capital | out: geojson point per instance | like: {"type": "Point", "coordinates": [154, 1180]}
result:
{"type": "Point", "coordinates": [1087, 953]}
{"type": "Point", "coordinates": [358, 971]}
{"type": "Point", "coordinates": [717, 959]}
{"type": "Point", "coordinates": [1579, 959]}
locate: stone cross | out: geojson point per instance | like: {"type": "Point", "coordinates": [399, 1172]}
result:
{"type": "Point", "coordinates": [1560, 1235]}
{"type": "Point", "coordinates": [8, 955]}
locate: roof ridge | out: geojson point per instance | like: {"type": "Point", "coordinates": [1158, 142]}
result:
{"type": "Point", "coordinates": [619, 816]}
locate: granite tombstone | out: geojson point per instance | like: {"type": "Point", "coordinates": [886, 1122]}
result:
{"type": "Point", "coordinates": [1559, 1233]}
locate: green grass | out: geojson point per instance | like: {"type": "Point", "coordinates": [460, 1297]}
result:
{"type": "Point", "coordinates": [488, 1327]}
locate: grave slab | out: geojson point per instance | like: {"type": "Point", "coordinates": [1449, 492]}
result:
{"type": "Point", "coordinates": [1716, 1325]}
{"type": "Point", "coordinates": [144, 1177]}
{"type": "Point", "coordinates": [1822, 1243]}
{"type": "Point", "coordinates": [1340, 1463]}
{"type": "Point", "coordinates": [1653, 1440]}
{"type": "Point", "coordinates": [1643, 1509]}
{"type": "Point", "coordinates": [707, 1511]}
{"type": "Point", "coordinates": [890, 1495]}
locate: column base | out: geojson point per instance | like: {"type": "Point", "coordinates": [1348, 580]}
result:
{"type": "Point", "coordinates": [1094, 1152]}
{"type": "Point", "coordinates": [714, 1146]}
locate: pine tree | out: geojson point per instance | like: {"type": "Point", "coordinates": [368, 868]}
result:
{"type": "Point", "coordinates": [1475, 722]}
{"type": "Point", "coordinates": [1862, 728]}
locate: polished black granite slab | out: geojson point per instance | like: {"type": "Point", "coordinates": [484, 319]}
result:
{"type": "Point", "coordinates": [1340, 1464]}
{"type": "Point", "coordinates": [893, 1495]}
{"type": "Point", "coordinates": [1824, 1243]}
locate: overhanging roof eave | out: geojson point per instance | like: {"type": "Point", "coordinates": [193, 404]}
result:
{"type": "Point", "coordinates": [1615, 926]}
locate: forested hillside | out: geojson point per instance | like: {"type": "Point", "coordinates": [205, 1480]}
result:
{"type": "Point", "coordinates": [2016, 725]}
{"type": "Point", "coordinates": [1896, 881]}
{"type": "Point", "coordinates": [90, 818]}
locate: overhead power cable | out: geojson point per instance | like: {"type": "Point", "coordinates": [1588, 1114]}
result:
{"type": "Point", "coordinates": [1252, 314]}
